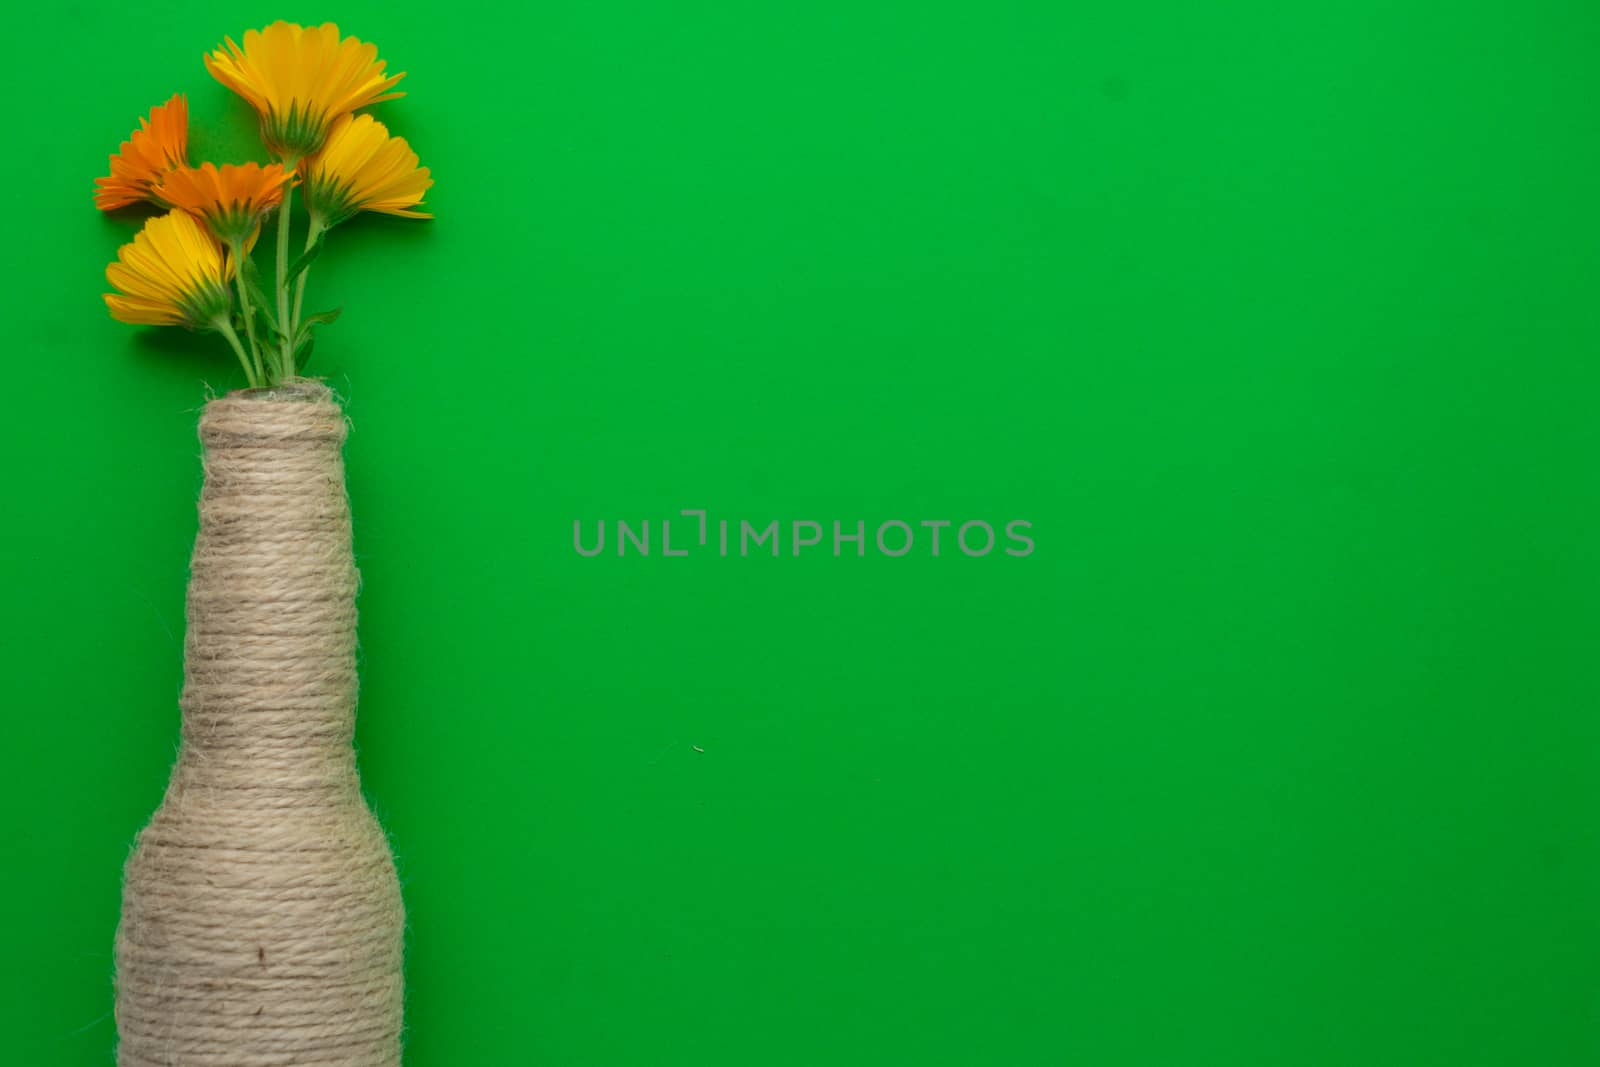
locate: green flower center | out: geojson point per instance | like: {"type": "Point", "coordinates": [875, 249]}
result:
{"type": "Point", "coordinates": [201, 307]}
{"type": "Point", "coordinates": [294, 134]}
{"type": "Point", "coordinates": [234, 223]}
{"type": "Point", "coordinates": [330, 200]}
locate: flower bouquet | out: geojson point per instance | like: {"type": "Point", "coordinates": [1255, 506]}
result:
{"type": "Point", "coordinates": [261, 918]}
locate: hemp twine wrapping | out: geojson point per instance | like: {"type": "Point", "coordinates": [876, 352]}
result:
{"type": "Point", "coordinates": [261, 916]}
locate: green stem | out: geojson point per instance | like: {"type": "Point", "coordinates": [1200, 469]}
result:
{"type": "Point", "coordinates": [286, 352]}
{"type": "Point", "coordinates": [244, 305]}
{"type": "Point", "coordinates": [225, 328]}
{"type": "Point", "coordinates": [312, 233]}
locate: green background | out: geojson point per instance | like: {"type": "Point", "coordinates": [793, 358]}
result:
{"type": "Point", "coordinates": [1278, 321]}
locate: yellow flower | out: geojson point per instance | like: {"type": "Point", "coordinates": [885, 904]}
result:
{"type": "Point", "coordinates": [362, 168]}
{"type": "Point", "coordinates": [231, 200]}
{"type": "Point", "coordinates": [172, 274]}
{"type": "Point", "coordinates": [159, 144]}
{"type": "Point", "coordinates": [300, 79]}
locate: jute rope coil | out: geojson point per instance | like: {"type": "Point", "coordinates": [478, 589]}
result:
{"type": "Point", "coordinates": [261, 916]}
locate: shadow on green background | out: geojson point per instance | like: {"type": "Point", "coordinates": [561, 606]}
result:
{"type": "Point", "coordinates": [1277, 321]}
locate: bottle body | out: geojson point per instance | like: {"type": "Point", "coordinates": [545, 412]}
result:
{"type": "Point", "coordinates": [262, 924]}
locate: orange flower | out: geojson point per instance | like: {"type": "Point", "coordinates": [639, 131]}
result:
{"type": "Point", "coordinates": [172, 274]}
{"type": "Point", "coordinates": [231, 200]}
{"type": "Point", "coordinates": [300, 79]}
{"type": "Point", "coordinates": [159, 144]}
{"type": "Point", "coordinates": [362, 168]}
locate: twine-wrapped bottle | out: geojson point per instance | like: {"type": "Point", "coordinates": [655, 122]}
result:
{"type": "Point", "coordinates": [261, 919]}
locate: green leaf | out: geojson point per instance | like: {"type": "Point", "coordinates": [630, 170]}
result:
{"type": "Point", "coordinates": [321, 318]}
{"type": "Point", "coordinates": [260, 302]}
{"type": "Point", "coordinates": [267, 327]}
{"type": "Point", "coordinates": [304, 338]}
{"type": "Point", "coordinates": [298, 266]}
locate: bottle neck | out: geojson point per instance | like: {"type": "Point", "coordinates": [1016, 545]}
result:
{"type": "Point", "coordinates": [269, 655]}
